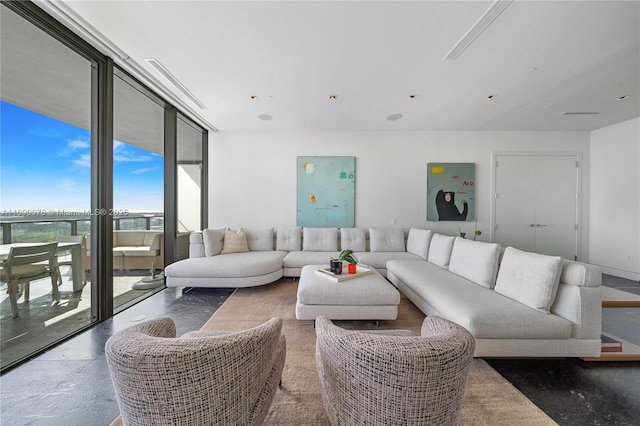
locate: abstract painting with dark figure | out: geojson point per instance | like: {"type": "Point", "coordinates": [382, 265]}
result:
{"type": "Point", "coordinates": [447, 209]}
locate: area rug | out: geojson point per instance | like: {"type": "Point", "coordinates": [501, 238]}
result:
{"type": "Point", "coordinates": [489, 398]}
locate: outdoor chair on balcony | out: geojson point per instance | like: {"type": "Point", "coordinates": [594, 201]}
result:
{"type": "Point", "coordinates": [64, 256]}
{"type": "Point", "coordinates": [26, 264]}
{"type": "Point", "coordinates": [201, 378]}
{"type": "Point", "coordinates": [393, 377]}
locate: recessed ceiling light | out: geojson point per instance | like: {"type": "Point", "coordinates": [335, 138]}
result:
{"type": "Point", "coordinates": [394, 117]}
{"type": "Point", "coordinates": [333, 97]}
{"type": "Point", "coordinates": [622, 98]}
{"type": "Point", "coordinates": [265, 117]}
{"type": "Point", "coordinates": [412, 96]}
{"type": "Point", "coordinates": [254, 97]}
{"type": "Point", "coordinates": [489, 97]}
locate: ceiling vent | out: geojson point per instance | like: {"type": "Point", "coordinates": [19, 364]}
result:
{"type": "Point", "coordinates": [157, 65]}
{"type": "Point", "coordinates": [496, 8]}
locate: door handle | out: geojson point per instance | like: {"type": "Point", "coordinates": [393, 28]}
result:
{"type": "Point", "coordinates": [535, 225]}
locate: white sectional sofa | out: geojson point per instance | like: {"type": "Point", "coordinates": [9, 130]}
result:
{"type": "Point", "coordinates": [515, 303]}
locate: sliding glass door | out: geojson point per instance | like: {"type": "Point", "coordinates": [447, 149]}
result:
{"type": "Point", "coordinates": [45, 187]}
{"type": "Point", "coordinates": [94, 160]}
{"type": "Point", "coordinates": [138, 191]}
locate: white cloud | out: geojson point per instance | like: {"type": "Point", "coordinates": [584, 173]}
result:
{"type": "Point", "coordinates": [68, 184]}
{"type": "Point", "coordinates": [143, 170]}
{"type": "Point", "coordinates": [78, 144]}
{"type": "Point", "coordinates": [83, 161]}
{"type": "Point", "coordinates": [121, 153]}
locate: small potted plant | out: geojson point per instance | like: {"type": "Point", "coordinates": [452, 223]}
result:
{"type": "Point", "coordinates": [347, 256]}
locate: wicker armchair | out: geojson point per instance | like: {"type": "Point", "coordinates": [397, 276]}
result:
{"type": "Point", "coordinates": [201, 378]}
{"type": "Point", "coordinates": [393, 377]}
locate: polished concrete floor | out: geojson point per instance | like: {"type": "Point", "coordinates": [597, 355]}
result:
{"type": "Point", "coordinates": [70, 384]}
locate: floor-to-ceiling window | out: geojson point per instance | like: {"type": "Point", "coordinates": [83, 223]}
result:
{"type": "Point", "coordinates": [83, 155]}
{"type": "Point", "coordinates": [45, 181]}
{"type": "Point", "coordinates": [189, 175]}
{"type": "Point", "coordinates": [138, 189]}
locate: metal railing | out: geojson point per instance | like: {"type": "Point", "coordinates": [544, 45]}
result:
{"type": "Point", "coordinates": [41, 226]}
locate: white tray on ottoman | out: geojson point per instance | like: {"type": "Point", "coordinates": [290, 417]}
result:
{"type": "Point", "coordinates": [367, 297]}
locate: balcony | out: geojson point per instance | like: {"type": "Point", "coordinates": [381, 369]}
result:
{"type": "Point", "coordinates": [41, 322]}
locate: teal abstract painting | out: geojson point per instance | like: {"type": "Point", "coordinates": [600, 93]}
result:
{"type": "Point", "coordinates": [326, 192]}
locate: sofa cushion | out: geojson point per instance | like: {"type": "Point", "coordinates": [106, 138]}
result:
{"type": "Point", "coordinates": [353, 239]}
{"type": "Point", "coordinates": [234, 241]}
{"type": "Point", "coordinates": [379, 259]}
{"type": "Point", "coordinates": [440, 250]}
{"type": "Point", "coordinates": [152, 240]}
{"type": "Point", "coordinates": [475, 260]}
{"type": "Point", "coordinates": [418, 242]}
{"type": "Point", "coordinates": [130, 238]}
{"type": "Point", "coordinates": [320, 239]}
{"type": "Point", "coordinates": [529, 278]}
{"type": "Point", "coordinates": [298, 259]}
{"type": "Point", "coordinates": [288, 239]}
{"type": "Point", "coordinates": [213, 240]}
{"type": "Point", "coordinates": [386, 239]}
{"type": "Point", "coordinates": [259, 239]}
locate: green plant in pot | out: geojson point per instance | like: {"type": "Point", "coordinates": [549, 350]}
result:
{"type": "Point", "coordinates": [347, 256]}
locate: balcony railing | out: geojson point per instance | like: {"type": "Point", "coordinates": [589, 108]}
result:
{"type": "Point", "coordinates": [24, 226]}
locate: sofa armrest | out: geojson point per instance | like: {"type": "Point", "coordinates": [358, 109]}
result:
{"type": "Point", "coordinates": [582, 306]}
{"type": "Point", "coordinates": [196, 245]}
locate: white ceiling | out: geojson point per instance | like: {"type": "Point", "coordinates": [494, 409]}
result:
{"type": "Point", "coordinates": [538, 58]}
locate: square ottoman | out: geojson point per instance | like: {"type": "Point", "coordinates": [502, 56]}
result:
{"type": "Point", "coordinates": [368, 297]}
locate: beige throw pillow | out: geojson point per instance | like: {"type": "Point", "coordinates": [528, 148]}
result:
{"type": "Point", "coordinates": [235, 241]}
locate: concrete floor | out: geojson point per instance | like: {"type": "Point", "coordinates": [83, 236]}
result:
{"type": "Point", "coordinates": [41, 322]}
{"type": "Point", "coordinates": [70, 385]}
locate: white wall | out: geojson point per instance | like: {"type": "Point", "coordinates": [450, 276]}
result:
{"type": "Point", "coordinates": [188, 192]}
{"type": "Point", "coordinates": [252, 175]}
{"type": "Point", "coordinates": [615, 199]}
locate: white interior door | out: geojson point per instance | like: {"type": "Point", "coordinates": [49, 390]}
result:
{"type": "Point", "coordinates": [536, 203]}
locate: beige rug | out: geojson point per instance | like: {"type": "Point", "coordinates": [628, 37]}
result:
{"type": "Point", "coordinates": [489, 400]}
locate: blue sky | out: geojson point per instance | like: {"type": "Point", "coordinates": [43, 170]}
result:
{"type": "Point", "coordinates": [45, 164]}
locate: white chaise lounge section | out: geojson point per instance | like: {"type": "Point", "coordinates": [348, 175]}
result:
{"type": "Point", "coordinates": [207, 266]}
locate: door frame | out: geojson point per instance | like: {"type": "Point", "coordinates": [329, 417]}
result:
{"type": "Point", "coordinates": [579, 193]}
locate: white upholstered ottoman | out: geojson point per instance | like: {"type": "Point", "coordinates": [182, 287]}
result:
{"type": "Point", "coordinates": [369, 297]}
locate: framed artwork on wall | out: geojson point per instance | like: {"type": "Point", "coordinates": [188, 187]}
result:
{"type": "Point", "coordinates": [451, 192]}
{"type": "Point", "coordinates": [326, 192]}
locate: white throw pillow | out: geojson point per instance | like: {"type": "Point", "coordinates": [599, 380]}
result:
{"type": "Point", "coordinates": [386, 239]}
{"type": "Point", "coordinates": [418, 242]}
{"type": "Point", "coordinates": [475, 261]}
{"type": "Point", "coordinates": [213, 240]}
{"type": "Point", "coordinates": [529, 278]}
{"type": "Point", "coordinates": [234, 241]}
{"type": "Point", "coordinates": [353, 239]}
{"type": "Point", "coordinates": [440, 250]}
{"type": "Point", "coordinates": [320, 239]}
{"type": "Point", "coordinates": [260, 239]}
{"type": "Point", "coordinates": [289, 239]}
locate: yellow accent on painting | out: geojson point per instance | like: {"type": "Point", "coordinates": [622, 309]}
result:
{"type": "Point", "coordinates": [437, 169]}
